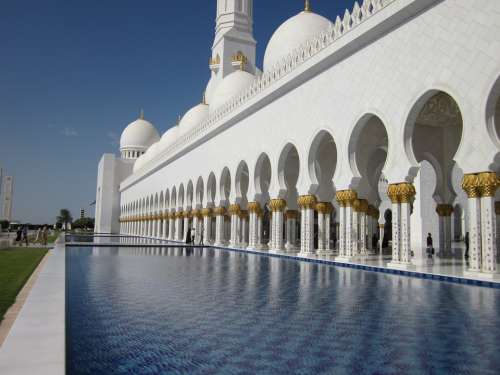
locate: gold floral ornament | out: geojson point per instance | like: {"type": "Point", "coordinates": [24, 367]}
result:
{"type": "Point", "coordinates": [488, 184]}
{"type": "Point", "coordinates": [277, 205]}
{"type": "Point", "coordinates": [219, 211]}
{"type": "Point", "coordinates": [307, 201]}
{"type": "Point", "coordinates": [292, 214]}
{"type": "Point", "coordinates": [324, 208]}
{"type": "Point", "coordinates": [206, 212]}
{"type": "Point", "coordinates": [470, 184]}
{"type": "Point", "coordinates": [234, 209]}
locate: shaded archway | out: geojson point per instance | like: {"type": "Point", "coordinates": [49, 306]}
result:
{"type": "Point", "coordinates": [262, 181]}
{"type": "Point", "coordinates": [433, 133]}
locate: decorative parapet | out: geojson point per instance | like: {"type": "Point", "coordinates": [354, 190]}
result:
{"type": "Point", "coordinates": [342, 26]}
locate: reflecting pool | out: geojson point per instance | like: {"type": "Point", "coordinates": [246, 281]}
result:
{"type": "Point", "coordinates": [209, 311]}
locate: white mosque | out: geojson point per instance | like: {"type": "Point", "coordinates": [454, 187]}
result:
{"type": "Point", "coordinates": [381, 123]}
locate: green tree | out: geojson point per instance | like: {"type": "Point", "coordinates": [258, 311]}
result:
{"type": "Point", "coordinates": [85, 223]}
{"type": "Point", "coordinates": [64, 218]}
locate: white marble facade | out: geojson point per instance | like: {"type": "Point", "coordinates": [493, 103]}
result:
{"type": "Point", "coordinates": [392, 109]}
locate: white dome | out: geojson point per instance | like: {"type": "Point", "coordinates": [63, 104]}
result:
{"type": "Point", "coordinates": [230, 86]}
{"type": "Point", "coordinates": [139, 135]}
{"type": "Point", "coordinates": [193, 117]}
{"type": "Point", "coordinates": [210, 89]}
{"type": "Point", "coordinates": [141, 160]}
{"type": "Point", "coordinates": [291, 34]}
{"type": "Point", "coordinates": [169, 137]}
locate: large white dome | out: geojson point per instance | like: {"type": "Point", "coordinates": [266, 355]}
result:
{"type": "Point", "coordinates": [231, 85]}
{"type": "Point", "coordinates": [139, 135]}
{"type": "Point", "coordinates": [169, 137]}
{"type": "Point", "coordinates": [210, 89]}
{"type": "Point", "coordinates": [291, 34]}
{"type": "Point", "coordinates": [193, 117]}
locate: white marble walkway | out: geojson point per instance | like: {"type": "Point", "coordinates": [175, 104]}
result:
{"type": "Point", "coordinates": [36, 341]}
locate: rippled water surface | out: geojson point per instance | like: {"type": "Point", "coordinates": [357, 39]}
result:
{"type": "Point", "coordinates": [205, 311]}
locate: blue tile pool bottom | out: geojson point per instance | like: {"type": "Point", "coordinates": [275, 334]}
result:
{"type": "Point", "coordinates": [209, 311]}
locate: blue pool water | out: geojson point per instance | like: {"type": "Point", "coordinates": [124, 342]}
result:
{"type": "Point", "coordinates": [206, 311]}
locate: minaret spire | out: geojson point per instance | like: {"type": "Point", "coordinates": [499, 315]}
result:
{"type": "Point", "coordinates": [141, 115]}
{"type": "Point", "coordinates": [307, 6]}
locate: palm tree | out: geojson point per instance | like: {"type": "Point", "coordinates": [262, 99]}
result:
{"type": "Point", "coordinates": [64, 218]}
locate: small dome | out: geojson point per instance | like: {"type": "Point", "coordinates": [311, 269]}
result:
{"type": "Point", "coordinates": [210, 89]}
{"type": "Point", "coordinates": [139, 136]}
{"type": "Point", "coordinates": [230, 86]}
{"type": "Point", "coordinates": [193, 117]}
{"type": "Point", "coordinates": [293, 33]}
{"type": "Point", "coordinates": [169, 137]}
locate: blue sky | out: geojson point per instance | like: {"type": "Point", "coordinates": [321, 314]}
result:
{"type": "Point", "coordinates": [73, 74]}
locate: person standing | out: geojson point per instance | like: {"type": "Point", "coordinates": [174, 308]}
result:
{"type": "Point", "coordinates": [45, 235]}
{"type": "Point", "coordinates": [19, 236]}
{"type": "Point", "coordinates": [467, 241]}
{"type": "Point", "coordinates": [430, 246]}
{"type": "Point", "coordinates": [202, 230]}
{"type": "Point", "coordinates": [38, 235]}
{"type": "Point", "coordinates": [25, 235]}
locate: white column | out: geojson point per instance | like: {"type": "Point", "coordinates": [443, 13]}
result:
{"type": "Point", "coordinates": [381, 238]}
{"type": "Point", "coordinates": [324, 211]}
{"type": "Point", "coordinates": [355, 232]}
{"type": "Point", "coordinates": [234, 211]}
{"type": "Point", "coordinates": [243, 222]}
{"type": "Point", "coordinates": [252, 235]}
{"type": "Point", "coordinates": [405, 233]}
{"type": "Point", "coordinates": [342, 230]}
{"type": "Point", "coordinates": [165, 226]}
{"type": "Point", "coordinates": [186, 224]}
{"type": "Point", "coordinates": [207, 226]}
{"type": "Point", "coordinates": [291, 222]}
{"type": "Point", "coordinates": [363, 233]}
{"type": "Point", "coordinates": [497, 213]}
{"type": "Point", "coordinates": [178, 226]}
{"type": "Point", "coordinates": [474, 234]}
{"type": "Point", "coordinates": [488, 235]}
{"type": "Point", "coordinates": [260, 245]}
{"type": "Point", "coordinates": [171, 226]}
{"type": "Point", "coordinates": [219, 226]}
{"type": "Point", "coordinates": [470, 184]}
{"type": "Point", "coordinates": [277, 207]}
{"type": "Point", "coordinates": [307, 203]}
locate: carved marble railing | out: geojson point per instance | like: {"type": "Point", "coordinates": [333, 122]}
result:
{"type": "Point", "coordinates": [342, 26]}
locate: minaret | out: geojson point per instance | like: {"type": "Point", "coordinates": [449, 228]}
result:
{"type": "Point", "coordinates": [234, 43]}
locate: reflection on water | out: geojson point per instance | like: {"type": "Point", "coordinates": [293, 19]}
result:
{"type": "Point", "coordinates": [209, 311]}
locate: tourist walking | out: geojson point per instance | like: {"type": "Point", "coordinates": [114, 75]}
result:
{"type": "Point", "coordinates": [19, 235]}
{"type": "Point", "coordinates": [25, 235]}
{"type": "Point", "coordinates": [466, 240]}
{"type": "Point", "coordinates": [45, 235]}
{"type": "Point", "coordinates": [38, 237]}
{"type": "Point", "coordinates": [188, 236]}
{"type": "Point", "coordinates": [202, 230]}
{"type": "Point", "coordinates": [430, 246]}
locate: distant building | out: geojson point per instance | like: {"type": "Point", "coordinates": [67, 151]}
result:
{"type": "Point", "coordinates": [7, 194]}
{"type": "Point", "coordinates": [82, 213]}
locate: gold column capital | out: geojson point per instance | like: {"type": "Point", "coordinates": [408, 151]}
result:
{"type": "Point", "coordinates": [292, 214]}
{"type": "Point", "coordinates": [234, 209]}
{"type": "Point", "coordinates": [346, 197]}
{"type": "Point", "coordinates": [206, 212]}
{"type": "Point", "coordinates": [444, 210]}
{"type": "Point", "coordinates": [324, 208]}
{"type": "Point", "coordinates": [470, 184]}
{"type": "Point", "coordinates": [277, 205]}
{"type": "Point", "coordinates": [220, 211]}
{"type": "Point", "coordinates": [307, 201]}
{"type": "Point", "coordinates": [254, 207]}
{"type": "Point", "coordinates": [488, 184]}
